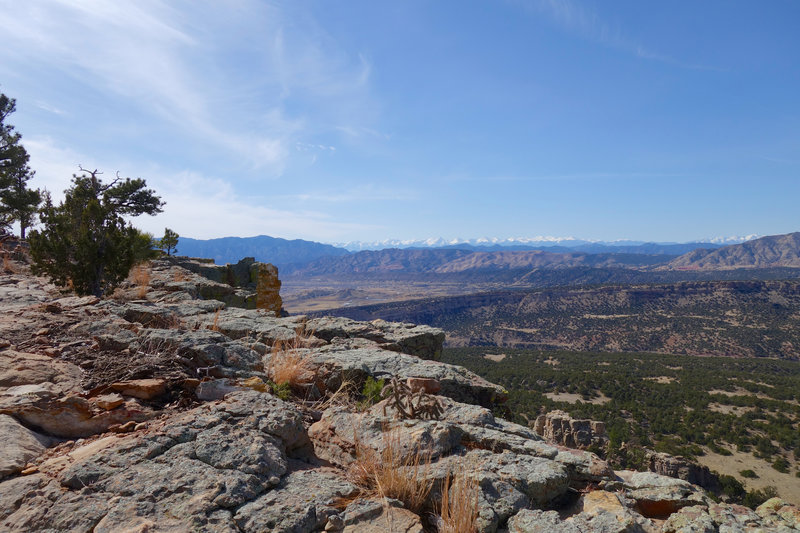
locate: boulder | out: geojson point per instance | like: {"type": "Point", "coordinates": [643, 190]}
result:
{"type": "Point", "coordinates": [659, 496]}
{"type": "Point", "coordinates": [21, 368]}
{"type": "Point", "coordinates": [302, 501]}
{"type": "Point", "coordinates": [20, 445]}
{"type": "Point", "coordinates": [75, 417]}
{"type": "Point", "coordinates": [109, 401]}
{"type": "Point", "coordinates": [693, 519]}
{"type": "Point", "coordinates": [144, 389]}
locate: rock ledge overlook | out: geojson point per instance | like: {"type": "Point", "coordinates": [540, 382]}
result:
{"type": "Point", "coordinates": [153, 411]}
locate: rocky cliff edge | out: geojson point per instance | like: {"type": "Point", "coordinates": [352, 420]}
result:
{"type": "Point", "coordinates": [155, 411]}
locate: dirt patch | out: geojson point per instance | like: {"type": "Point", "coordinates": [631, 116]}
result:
{"type": "Point", "coordinates": [608, 317]}
{"type": "Point", "coordinates": [496, 357]}
{"type": "Point", "coordinates": [788, 485]}
{"type": "Point", "coordinates": [664, 380]}
{"type": "Point", "coordinates": [739, 391]}
{"type": "Point", "coordinates": [730, 409]}
{"type": "Point", "coordinates": [569, 397]}
{"type": "Point", "coordinates": [552, 362]}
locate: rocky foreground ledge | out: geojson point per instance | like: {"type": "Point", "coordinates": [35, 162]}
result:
{"type": "Point", "coordinates": [153, 411]}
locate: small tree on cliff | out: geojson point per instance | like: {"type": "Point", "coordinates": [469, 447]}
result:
{"type": "Point", "coordinates": [17, 201]}
{"type": "Point", "coordinates": [85, 242]}
{"type": "Point", "coordinates": [169, 242]}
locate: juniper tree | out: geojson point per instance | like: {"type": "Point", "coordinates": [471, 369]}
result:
{"type": "Point", "coordinates": [85, 242]}
{"type": "Point", "coordinates": [17, 201]}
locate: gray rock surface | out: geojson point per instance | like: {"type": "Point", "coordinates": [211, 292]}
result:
{"type": "Point", "coordinates": [189, 472]}
{"type": "Point", "coordinates": [340, 362]}
{"type": "Point", "coordinates": [205, 448]}
{"type": "Point", "coordinates": [423, 341]}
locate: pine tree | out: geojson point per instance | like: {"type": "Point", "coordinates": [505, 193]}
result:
{"type": "Point", "coordinates": [85, 241]}
{"type": "Point", "coordinates": [17, 201]}
{"type": "Point", "coordinates": [169, 242]}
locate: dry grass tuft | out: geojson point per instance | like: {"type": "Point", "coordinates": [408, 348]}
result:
{"type": "Point", "coordinates": [394, 474]}
{"type": "Point", "coordinates": [288, 364]}
{"type": "Point", "coordinates": [215, 325]}
{"type": "Point", "coordinates": [8, 266]}
{"type": "Point", "coordinates": [458, 511]}
{"type": "Point", "coordinates": [141, 278]}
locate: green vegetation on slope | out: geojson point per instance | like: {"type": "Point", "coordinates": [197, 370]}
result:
{"type": "Point", "coordinates": [672, 403]}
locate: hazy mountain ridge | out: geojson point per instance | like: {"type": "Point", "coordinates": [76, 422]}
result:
{"type": "Point", "coordinates": [295, 253]}
{"type": "Point", "coordinates": [771, 251]}
{"type": "Point", "coordinates": [280, 252]}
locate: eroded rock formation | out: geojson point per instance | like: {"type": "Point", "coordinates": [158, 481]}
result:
{"type": "Point", "coordinates": [560, 428]}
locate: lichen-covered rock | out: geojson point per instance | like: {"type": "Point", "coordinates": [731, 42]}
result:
{"type": "Point", "coordinates": [302, 502]}
{"type": "Point", "coordinates": [538, 521]}
{"type": "Point", "coordinates": [507, 482]}
{"type": "Point", "coordinates": [337, 364]}
{"type": "Point", "coordinates": [255, 324]}
{"type": "Point", "coordinates": [423, 341]}
{"type": "Point", "coordinates": [186, 473]}
{"type": "Point", "coordinates": [690, 520]}
{"type": "Point", "coordinates": [778, 513]}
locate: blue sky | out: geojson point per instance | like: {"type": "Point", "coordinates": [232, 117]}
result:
{"type": "Point", "coordinates": [370, 120]}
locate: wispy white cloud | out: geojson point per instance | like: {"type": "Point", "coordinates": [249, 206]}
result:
{"type": "Point", "coordinates": [228, 74]}
{"type": "Point", "coordinates": [585, 22]}
{"type": "Point", "coordinates": [200, 206]}
{"type": "Point", "coordinates": [197, 205]}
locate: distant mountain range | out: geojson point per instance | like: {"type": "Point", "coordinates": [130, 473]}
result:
{"type": "Point", "coordinates": [530, 243]}
{"type": "Point", "coordinates": [282, 253]}
{"type": "Point", "coordinates": [308, 258]}
{"type": "Point", "coordinates": [766, 252]}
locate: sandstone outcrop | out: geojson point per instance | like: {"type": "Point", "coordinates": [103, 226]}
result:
{"type": "Point", "coordinates": [678, 467]}
{"type": "Point", "coordinates": [560, 428]}
{"type": "Point", "coordinates": [155, 412]}
{"type": "Point", "coordinates": [248, 283]}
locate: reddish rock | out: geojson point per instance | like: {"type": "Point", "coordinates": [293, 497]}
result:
{"type": "Point", "coordinates": [428, 385]}
{"type": "Point", "coordinates": [109, 401]}
{"type": "Point", "coordinates": [144, 389]}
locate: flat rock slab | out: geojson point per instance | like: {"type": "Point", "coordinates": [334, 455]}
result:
{"type": "Point", "coordinates": [423, 341]}
{"type": "Point", "coordinates": [144, 389]}
{"type": "Point", "coordinates": [21, 368]}
{"type": "Point", "coordinates": [340, 363]}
